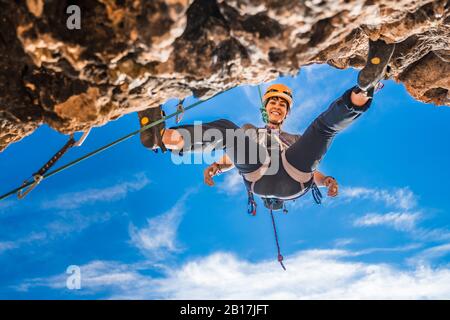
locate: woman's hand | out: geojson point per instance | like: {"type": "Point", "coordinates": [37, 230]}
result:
{"type": "Point", "coordinates": [210, 172]}
{"type": "Point", "coordinates": [332, 185]}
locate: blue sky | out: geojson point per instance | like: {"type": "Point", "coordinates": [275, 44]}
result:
{"type": "Point", "coordinates": [139, 226]}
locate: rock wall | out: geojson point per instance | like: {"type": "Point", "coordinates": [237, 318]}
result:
{"type": "Point", "coordinates": [134, 54]}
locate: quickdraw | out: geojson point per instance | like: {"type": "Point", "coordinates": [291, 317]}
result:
{"type": "Point", "coordinates": [180, 111]}
{"type": "Point", "coordinates": [36, 179]}
{"type": "Point", "coordinates": [39, 175]}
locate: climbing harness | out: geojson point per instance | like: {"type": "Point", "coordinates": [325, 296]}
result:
{"type": "Point", "coordinates": [39, 175]}
{"type": "Point", "coordinates": [97, 151]}
{"type": "Point", "coordinates": [274, 203]}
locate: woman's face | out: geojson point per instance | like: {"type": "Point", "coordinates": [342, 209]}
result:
{"type": "Point", "coordinates": [277, 109]}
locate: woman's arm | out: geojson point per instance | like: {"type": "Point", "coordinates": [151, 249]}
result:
{"type": "Point", "coordinates": [225, 163]}
{"type": "Point", "coordinates": [319, 178]}
{"type": "Point", "coordinates": [322, 180]}
{"type": "Point", "coordinates": [222, 165]}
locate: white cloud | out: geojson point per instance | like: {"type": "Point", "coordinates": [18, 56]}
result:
{"type": "Point", "coordinates": [73, 221]}
{"type": "Point", "coordinates": [68, 223]}
{"type": "Point", "coordinates": [159, 238]}
{"type": "Point", "coordinates": [404, 248]}
{"type": "Point", "coordinates": [8, 245]}
{"type": "Point", "coordinates": [310, 275]}
{"type": "Point", "coordinates": [69, 220]}
{"type": "Point", "coordinates": [431, 253]}
{"type": "Point", "coordinates": [343, 242]}
{"type": "Point", "coordinates": [436, 234]}
{"type": "Point", "coordinates": [313, 274]}
{"type": "Point", "coordinates": [232, 184]}
{"type": "Point", "coordinates": [31, 238]}
{"type": "Point", "coordinates": [400, 198]}
{"type": "Point", "coordinates": [405, 219]}
{"type": "Point", "coordinates": [96, 275]}
{"type": "Point", "coordinates": [116, 192]}
{"type": "Point", "coordinates": [402, 221]}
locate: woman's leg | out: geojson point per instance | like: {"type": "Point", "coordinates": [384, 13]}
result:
{"type": "Point", "coordinates": [306, 153]}
{"type": "Point", "coordinates": [219, 134]}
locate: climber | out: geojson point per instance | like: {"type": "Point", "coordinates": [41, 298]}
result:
{"type": "Point", "coordinates": [299, 155]}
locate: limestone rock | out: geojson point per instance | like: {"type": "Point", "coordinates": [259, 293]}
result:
{"type": "Point", "coordinates": [129, 55]}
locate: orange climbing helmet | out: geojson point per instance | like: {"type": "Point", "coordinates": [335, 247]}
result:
{"type": "Point", "coordinates": [278, 90]}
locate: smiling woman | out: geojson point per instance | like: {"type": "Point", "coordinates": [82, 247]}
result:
{"type": "Point", "coordinates": [275, 165]}
{"type": "Point", "coordinates": [277, 109]}
{"type": "Point", "coordinates": [277, 102]}
{"type": "Point", "coordinates": [218, 244]}
{"type": "Point", "coordinates": [141, 226]}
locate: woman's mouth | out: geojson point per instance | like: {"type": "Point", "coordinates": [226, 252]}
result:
{"type": "Point", "coordinates": [276, 113]}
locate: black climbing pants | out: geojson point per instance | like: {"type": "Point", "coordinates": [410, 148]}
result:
{"type": "Point", "coordinates": [304, 154]}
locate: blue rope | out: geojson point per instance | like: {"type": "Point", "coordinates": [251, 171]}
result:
{"type": "Point", "coordinates": [280, 256]}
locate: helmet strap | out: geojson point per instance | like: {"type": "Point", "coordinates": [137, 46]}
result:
{"type": "Point", "coordinates": [277, 125]}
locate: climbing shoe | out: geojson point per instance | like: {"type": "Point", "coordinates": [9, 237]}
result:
{"type": "Point", "coordinates": [152, 137]}
{"type": "Point", "coordinates": [376, 65]}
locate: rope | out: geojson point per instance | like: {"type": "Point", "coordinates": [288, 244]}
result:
{"type": "Point", "coordinates": [280, 256]}
{"type": "Point", "coordinates": [109, 145]}
{"type": "Point", "coordinates": [264, 115]}
{"type": "Point", "coordinates": [260, 94]}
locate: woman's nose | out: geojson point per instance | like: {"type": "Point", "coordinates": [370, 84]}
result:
{"type": "Point", "coordinates": [279, 106]}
